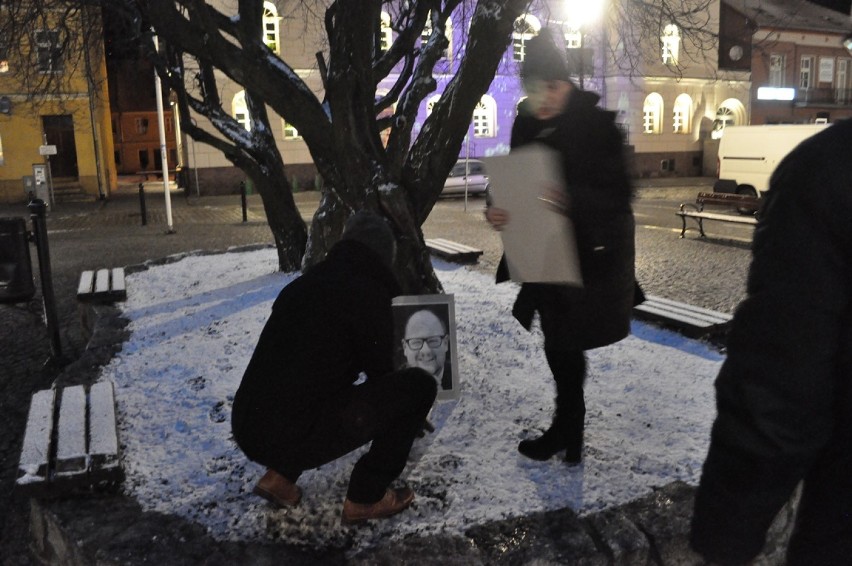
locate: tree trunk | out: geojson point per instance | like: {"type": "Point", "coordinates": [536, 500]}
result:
{"type": "Point", "coordinates": [285, 221]}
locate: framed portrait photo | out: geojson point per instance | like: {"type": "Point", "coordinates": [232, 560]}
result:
{"type": "Point", "coordinates": [425, 331]}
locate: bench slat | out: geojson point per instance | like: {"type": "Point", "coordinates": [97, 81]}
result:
{"type": "Point", "coordinates": [35, 452]}
{"type": "Point", "coordinates": [712, 315]}
{"type": "Point", "coordinates": [719, 216]}
{"type": "Point", "coordinates": [102, 281]}
{"type": "Point", "coordinates": [87, 279]}
{"type": "Point", "coordinates": [71, 457]}
{"type": "Point", "coordinates": [103, 434]}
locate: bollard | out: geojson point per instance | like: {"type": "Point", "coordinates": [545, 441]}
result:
{"type": "Point", "coordinates": [142, 208]}
{"type": "Point", "coordinates": [243, 200]}
{"type": "Point", "coordinates": [37, 210]}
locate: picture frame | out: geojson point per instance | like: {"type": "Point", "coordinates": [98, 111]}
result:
{"type": "Point", "coordinates": [428, 308]}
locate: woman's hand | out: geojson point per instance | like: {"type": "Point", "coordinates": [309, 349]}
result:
{"type": "Point", "coordinates": [497, 217]}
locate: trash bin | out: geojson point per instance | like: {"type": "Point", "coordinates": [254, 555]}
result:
{"type": "Point", "coordinates": [16, 272]}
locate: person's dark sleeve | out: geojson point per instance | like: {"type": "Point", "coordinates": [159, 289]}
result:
{"type": "Point", "coordinates": [775, 391]}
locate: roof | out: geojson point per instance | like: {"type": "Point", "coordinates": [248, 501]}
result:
{"type": "Point", "coordinates": [793, 15]}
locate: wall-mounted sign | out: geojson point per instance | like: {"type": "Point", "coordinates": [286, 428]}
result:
{"type": "Point", "coordinates": [47, 150]}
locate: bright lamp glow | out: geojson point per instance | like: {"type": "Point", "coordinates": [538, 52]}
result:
{"type": "Point", "coordinates": [581, 12]}
{"type": "Point", "coordinates": [775, 93]}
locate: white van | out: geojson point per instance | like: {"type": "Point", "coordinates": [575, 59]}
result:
{"type": "Point", "coordinates": [749, 154]}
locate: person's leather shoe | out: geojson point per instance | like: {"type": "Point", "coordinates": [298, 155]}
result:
{"type": "Point", "coordinates": [278, 490]}
{"type": "Point", "coordinates": [394, 501]}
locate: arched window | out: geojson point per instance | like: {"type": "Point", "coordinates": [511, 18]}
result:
{"type": "Point", "coordinates": [485, 117]}
{"type": "Point", "coordinates": [386, 32]}
{"type": "Point", "coordinates": [240, 110]}
{"type": "Point", "coordinates": [448, 32]}
{"type": "Point", "coordinates": [271, 27]}
{"type": "Point", "coordinates": [526, 28]}
{"type": "Point", "coordinates": [682, 114]}
{"type": "Point", "coordinates": [670, 41]}
{"type": "Point", "coordinates": [730, 113]}
{"type": "Point", "coordinates": [652, 114]}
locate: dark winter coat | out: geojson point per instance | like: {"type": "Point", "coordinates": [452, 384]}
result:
{"type": "Point", "coordinates": [784, 393]}
{"type": "Point", "coordinates": [599, 190]}
{"type": "Point", "coordinates": [326, 327]}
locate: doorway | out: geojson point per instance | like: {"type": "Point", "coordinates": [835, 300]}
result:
{"type": "Point", "coordinates": [59, 131]}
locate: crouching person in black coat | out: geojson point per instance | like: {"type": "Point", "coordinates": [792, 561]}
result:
{"type": "Point", "coordinates": [303, 401]}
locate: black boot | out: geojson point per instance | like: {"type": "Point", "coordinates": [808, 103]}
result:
{"type": "Point", "coordinates": [545, 446]}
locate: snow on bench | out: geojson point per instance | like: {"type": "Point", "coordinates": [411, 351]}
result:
{"type": "Point", "coordinates": [691, 321]}
{"type": "Point", "coordinates": [453, 251]}
{"type": "Point", "coordinates": [102, 286]}
{"type": "Point", "coordinates": [70, 441]}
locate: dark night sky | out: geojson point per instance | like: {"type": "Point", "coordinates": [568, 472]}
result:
{"type": "Point", "coordinates": [837, 5]}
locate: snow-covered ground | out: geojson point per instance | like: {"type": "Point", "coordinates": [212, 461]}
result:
{"type": "Point", "coordinates": [194, 324]}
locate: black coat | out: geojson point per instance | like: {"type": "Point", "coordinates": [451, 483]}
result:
{"type": "Point", "coordinates": [598, 187]}
{"type": "Point", "coordinates": [784, 393]}
{"type": "Point", "coordinates": [326, 327]}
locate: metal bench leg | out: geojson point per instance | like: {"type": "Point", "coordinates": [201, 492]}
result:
{"type": "Point", "coordinates": [701, 227]}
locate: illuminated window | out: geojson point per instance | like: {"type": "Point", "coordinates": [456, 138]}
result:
{"type": "Point", "coordinates": [670, 42]}
{"type": "Point", "coordinates": [573, 39]}
{"type": "Point", "coordinates": [271, 27]}
{"type": "Point", "coordinates": [806, 72]}
{"type": "Point", "coordinates": [48, 51]}
{"type": "Point", "coordinates": [526, 28]}
{"type": "Point", "coordinates": [776, 69]}
{"type": "Point", "coordinates": [386, 32]}
{"type": "Point", "coordinates": [652, 112]}
{"type": "Point", "coordinates": [682, 114]}
{"type": "Point", "coordinates": [4, 55]}
{"type": "Point", "coordinates": [448, 32]}
{"type": "Point", "coordinates": [240, 110]}
{"type": "Point", "coordinates": [2, 159]}
{"type": "Point", "coordinates": [290, 133]}
{"type": "Point", "coordinates": [484, 118]}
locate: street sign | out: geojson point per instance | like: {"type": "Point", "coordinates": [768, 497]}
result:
{"type": "Point", "coordinates": [47, 150]}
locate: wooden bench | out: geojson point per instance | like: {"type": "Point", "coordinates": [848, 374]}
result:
{"type": "Point", "coordinates": [70, 442]}
{"type": "Point", "coordinates": [453, 251]}
{"type": "Point", "coordinates": [746, 207]}
{"type": "Point", "coordinates": [691, 321]}
{"type": "Point", "coordinates": [102, 286]}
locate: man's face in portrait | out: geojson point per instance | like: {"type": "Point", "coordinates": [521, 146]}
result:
{"type": "Point", "coordinates": [425, 343]}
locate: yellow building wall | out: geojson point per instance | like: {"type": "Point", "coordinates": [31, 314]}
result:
{"type": "Point", "coordinates": [21, 131]}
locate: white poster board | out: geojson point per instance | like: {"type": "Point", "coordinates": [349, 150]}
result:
{"type": "Point", "coordinates": [539, 240]}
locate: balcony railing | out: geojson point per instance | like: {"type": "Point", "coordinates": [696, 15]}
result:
{"type": "Point", "coordinates": [823, 97]}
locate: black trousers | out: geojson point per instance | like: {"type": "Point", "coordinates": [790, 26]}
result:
{"type": "Point", "coordinates": [569, 373]}
{"type": "Point", "coordinates": [389, 411]}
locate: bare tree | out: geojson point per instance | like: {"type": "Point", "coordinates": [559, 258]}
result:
{"type": "Point", "coordinates": [402, 178]}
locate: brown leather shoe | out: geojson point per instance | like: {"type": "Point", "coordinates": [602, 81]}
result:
{"type": "Point", "coordinates": [394, 501]}
{"type": "Point", "coordinates": [278, 490]}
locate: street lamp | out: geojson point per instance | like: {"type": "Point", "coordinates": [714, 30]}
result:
{"type": "Point", "coordinates": [578, 15]}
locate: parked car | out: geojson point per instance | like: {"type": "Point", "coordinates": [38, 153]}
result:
{"type": "Point", "coordinates": [469, 173]}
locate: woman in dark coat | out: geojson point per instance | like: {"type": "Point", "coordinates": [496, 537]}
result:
{"type": "Point", "coordinates": [597, 199]}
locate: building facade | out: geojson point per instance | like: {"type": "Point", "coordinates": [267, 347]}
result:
{"type": "Point", "coordinates": [70, 121]}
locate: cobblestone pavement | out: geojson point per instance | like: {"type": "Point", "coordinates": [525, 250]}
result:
{"type": "Point", "coordinates": [91, 235]}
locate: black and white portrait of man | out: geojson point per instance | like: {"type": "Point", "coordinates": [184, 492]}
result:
{"type": "Point", "coordinates": [425, 327]}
